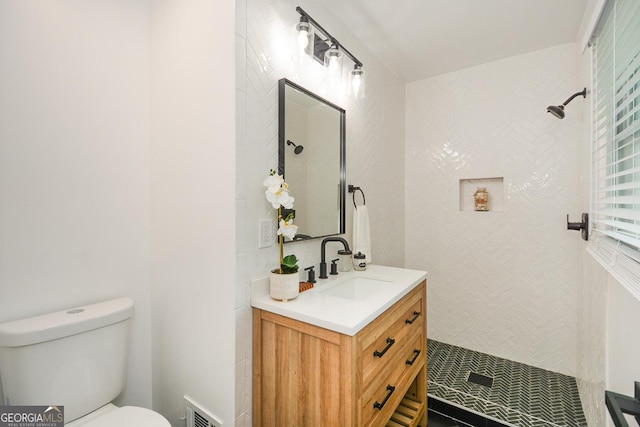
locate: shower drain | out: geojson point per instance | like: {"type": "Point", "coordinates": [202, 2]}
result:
{"type": "Point", "coordinates": [480, 379]}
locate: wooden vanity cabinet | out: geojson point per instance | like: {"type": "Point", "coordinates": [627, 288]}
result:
{"type": "Point", "coordinates": [305, 375]}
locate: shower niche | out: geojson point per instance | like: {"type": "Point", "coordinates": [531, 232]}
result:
{"type": "Point", "coordinates": [493, 185]}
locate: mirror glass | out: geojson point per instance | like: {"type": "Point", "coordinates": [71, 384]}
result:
{"type": "Point", "coordinates": [311, 158]}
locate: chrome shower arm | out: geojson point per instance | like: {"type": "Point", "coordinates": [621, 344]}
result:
{"type": "Point", "coordinates": [583, 92]}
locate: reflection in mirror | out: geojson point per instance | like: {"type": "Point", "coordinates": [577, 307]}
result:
{"type": "Point", "coordinates": [311, 157]}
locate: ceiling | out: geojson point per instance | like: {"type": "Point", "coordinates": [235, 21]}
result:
{"type": "Point", "coordinates": [423, 38]}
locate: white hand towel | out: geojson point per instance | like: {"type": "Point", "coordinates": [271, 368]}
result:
{"type": "Point", "coordinates": [361, 233]}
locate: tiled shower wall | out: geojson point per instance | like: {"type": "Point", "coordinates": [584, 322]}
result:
{"type": "Point", "coordinates": [500, 282]}
{"type": "Point", "coordinates": [592, 289]}
{"type": "Point", "coordinates": [375, 151]}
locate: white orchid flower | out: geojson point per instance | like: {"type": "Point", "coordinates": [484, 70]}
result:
{"type": "Point", "coordinates": [287, 228]}
{"type": "Point", "coordinates": [273, 199]}
{"type": "Point", "coordinates": [286, 200]}
{"type": "Point", "coordinates": [281, 198]}
{"type": "Point", "coordinates": [274, 183]}
{"type": "Point", "coordinates": [277, 194]}
{"type": "Point", "coordinates": [277, 191]}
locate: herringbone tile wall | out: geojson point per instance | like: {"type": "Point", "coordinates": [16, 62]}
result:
{"type": "Point", "coordinates": [505, 282]}
{"type": "Point", "coordinates": [375, 151]}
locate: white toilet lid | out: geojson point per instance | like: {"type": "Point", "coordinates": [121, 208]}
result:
{"type": "Point", "coordinates": [129, 416]}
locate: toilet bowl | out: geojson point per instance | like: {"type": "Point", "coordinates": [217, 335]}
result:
{"type": "Point", "coordinates": [126, 416]}
{"type": "Point", "coordinates": [75, 358]}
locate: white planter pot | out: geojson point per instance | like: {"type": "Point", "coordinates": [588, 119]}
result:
{"type": "Point", "coordinates": [284, 286]}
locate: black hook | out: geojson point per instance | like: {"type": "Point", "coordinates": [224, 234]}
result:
{"type": "Point", "coordinates": [583, 226]}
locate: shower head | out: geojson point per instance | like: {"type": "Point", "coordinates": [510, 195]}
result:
{"type": "Point", "coordinates": [558, 110]}
{"type": "Point", "coordinates": [298, 148]}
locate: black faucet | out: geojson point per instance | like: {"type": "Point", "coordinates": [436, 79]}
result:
{"type": "Point", "coordinates": [323, 262]}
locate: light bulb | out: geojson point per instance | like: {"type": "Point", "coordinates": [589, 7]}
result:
{"type": "Point", "coordinates": [301, 40]}
{"type": "Point", "coordinates": [303, 35]}
{"type": "Point", "coordinates": [358, 81]}
{"type": "Point", "coordinates": [333, 62]}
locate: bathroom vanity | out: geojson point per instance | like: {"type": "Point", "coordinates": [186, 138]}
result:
{"type": "Point", "coordinates": [349, 352]}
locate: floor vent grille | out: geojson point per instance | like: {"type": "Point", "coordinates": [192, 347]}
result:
{"type": "Point", "coordinates": [197, 416]}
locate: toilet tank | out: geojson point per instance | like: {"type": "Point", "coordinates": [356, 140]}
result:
{"type": "Point", "coordinates": [75, 357]}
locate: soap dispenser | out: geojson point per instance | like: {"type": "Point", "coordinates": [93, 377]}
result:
{"type": "Point", "coordinates": [359, 261]}
{"type": "Point", "coordinates": [344, 260]}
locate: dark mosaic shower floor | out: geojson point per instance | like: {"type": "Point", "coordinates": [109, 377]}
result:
{"type": "Point", "coordinates": [521, 395]}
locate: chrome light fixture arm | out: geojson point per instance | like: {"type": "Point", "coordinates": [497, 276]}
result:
{"type": "Point", "coordinates": [329, 37]}
{"type": "Point", "coordinates": [327, 50]}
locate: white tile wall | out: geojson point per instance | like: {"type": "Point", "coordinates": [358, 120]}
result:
{"type": "Point", "coordinates": [503, 283]}
{"type": "Point", "coordinates": [592, 282]}
{"type": "Point", "coordinates": [375, 148]}
{"type": "Point", "coordinates": [592, 321]}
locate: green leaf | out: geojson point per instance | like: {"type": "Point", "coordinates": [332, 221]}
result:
{"type": "Point", "coordinates": [289, 264]}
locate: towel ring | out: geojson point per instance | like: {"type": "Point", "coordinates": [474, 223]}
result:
{"type": "Point", "coordinates": [353, 189]}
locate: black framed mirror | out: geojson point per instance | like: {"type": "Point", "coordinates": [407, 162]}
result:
{"type": "Point", "coordinates": [311, 157]}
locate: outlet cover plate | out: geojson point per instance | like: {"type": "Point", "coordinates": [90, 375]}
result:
{"type": "Point", "coordinates": [265, 233]}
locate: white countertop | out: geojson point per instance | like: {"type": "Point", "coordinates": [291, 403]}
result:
{"type": "Point", "coordinates": [348, 316]}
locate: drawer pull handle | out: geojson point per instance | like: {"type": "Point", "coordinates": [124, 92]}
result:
{"type": "Point", "coordinates": [378, 405]}
{"type": "Point", "coordinates": [390, 342]}
{"type": "Point", "coordinates": [416, 353]}
{"type": "Point", "coordinates": [416, 314]}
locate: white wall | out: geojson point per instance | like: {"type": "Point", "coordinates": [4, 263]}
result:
{"type": "Point", "coordinates": [608, 352]}
{"type": "Point", "coordinates": [116, 169]}
{"type": "Point", "coordinates": [622, 348]}
{"type": "Point", "coordinates": [375, 151]}
{"type": "Point", "coordinates": [193, 205]}
{"type": "Point", "coordinates": [74, 163]}
{"type": "Point", "coordinates": [500, 282]}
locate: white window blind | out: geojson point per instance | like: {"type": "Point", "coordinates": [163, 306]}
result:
{"type": "Point", "coordinates": [615, 210]}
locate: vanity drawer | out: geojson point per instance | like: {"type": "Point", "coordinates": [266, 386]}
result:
{"type": "Point", "coordinates": [389, 333]}
{"type": "Point", "coordinates": [383, 394]}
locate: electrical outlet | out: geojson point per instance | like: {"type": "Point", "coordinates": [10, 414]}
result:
{"type": "Point", "coordinates": [265, 233]}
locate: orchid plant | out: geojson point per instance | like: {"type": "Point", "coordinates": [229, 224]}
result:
{"type": "Point", "coordinates": [278, 195]}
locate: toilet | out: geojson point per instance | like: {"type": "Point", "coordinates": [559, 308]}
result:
{"type": "Point", "coordinates": [76, 358]}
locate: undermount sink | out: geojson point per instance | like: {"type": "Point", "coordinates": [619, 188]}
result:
{"type": "Point", "coordinates": [357, 288]}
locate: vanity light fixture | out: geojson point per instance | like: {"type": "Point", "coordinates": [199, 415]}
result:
{"type": "Point", "coordinates": [328, 51]}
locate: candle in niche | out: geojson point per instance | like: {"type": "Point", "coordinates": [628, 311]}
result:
{"type": "Point", "coordinates": [481, 199]}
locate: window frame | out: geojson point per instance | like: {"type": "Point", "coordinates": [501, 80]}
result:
{"type": "Point", "coordinates": [615, 196]}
